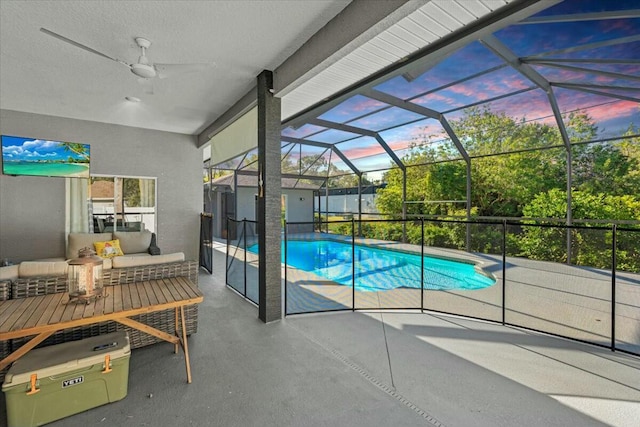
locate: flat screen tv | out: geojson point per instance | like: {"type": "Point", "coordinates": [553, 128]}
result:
{"type": "Point", "coordinates": [40, 157]}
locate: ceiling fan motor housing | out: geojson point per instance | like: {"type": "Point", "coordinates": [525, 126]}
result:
{"type": "Point", "coordinates": [143, 70]}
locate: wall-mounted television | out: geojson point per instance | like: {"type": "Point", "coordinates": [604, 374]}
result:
{"type": "Point", "coordinates": [42, 157]}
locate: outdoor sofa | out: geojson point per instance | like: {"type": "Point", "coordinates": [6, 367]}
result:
{"type": "Point", "coordinates": [34, 278]}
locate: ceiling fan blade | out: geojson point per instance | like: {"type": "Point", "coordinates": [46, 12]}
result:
{"type": "Point", "coordinates": [81, 46]}
{"type": "Point", "coordinates": [170, 70]}
{"type": "Point", "coordinates": [147, 86]}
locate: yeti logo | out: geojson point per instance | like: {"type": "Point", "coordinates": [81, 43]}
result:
{"type": "Point", "coordinates": [72, 381]}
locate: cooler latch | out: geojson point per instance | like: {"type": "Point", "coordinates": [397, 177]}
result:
{"type": "Point", "coordinates": [107, 364]}
{"type": "Point", "coordinates": [34, 384]}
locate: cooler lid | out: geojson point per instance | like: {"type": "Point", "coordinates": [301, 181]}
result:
{"type": "Point", "coordinates": [66, 357]}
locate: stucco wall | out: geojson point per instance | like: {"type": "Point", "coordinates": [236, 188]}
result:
{"type": "Point", "coordinates": [299, 209]}
{"type": "Point", "coordinates": [300, 205]}
{"type": "Point", "coordinates": [32, 209]}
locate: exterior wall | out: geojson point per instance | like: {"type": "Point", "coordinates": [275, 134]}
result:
{"type": "Point", "coordinates": [297, 210]}
{"type": "Point", "coordinates": [300, 205]}
{"type": "Point", "coordinates": [32, 209]}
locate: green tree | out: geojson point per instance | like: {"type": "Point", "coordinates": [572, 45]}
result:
{"type": "Point", "coordinates": [426, 183]}
{"type": "Point", "coordinates": [589, 247]}
{"type": "Point", "coordinates": [515, 173]}
{"type": "Point", "coordinates": [75, 148]}
{"type": "Point", "coordinates": [609, 167]}
{"type": "Point", "coordinates": [603, 168]}
{"type": "Point", "coordinates": [501, 184]}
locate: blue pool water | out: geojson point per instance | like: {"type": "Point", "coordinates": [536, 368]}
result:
{"type": "Point", "coordinates": [45, 169]}
{"type": "Point", "coordinates": [379, 269]}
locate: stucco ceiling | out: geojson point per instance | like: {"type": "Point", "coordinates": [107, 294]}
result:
{"type": "Point", "coordinates": [41, 74]}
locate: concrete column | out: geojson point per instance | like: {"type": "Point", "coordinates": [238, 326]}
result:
{"type": "Point", "coordinates": [269, 195]}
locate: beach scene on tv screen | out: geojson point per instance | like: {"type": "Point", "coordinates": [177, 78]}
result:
{"type": "Point", "coordinates": [29, 156]}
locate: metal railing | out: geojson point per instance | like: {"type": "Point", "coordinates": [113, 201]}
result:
{"type": "Point", "coordinates": [591, 294]}
{"type": "Point", "coordinates": [206, 238]}
{"type": "Point", "coordinates": [241, 262]}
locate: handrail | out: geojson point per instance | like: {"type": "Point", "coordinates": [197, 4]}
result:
{"type": "Point", "coordinates": [494, 218]}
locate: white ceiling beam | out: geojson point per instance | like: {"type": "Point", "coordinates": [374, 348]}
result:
{"type": "Point", "coordinates": [355, 25]}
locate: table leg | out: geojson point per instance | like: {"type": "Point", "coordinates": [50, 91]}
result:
{"type": "Point", "coordinates": [180, 338]}
{"type": "Point", "coordinates": [185, 346]}
{"type": "Point", "coordinates": [175, 347]}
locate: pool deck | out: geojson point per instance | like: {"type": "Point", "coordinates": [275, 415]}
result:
{"type": "Point", "coordinates": [363, 369]}
{"type": "Point", "coordinates": [560, 299]}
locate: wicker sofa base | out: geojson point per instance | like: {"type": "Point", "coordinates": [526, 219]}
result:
{"type": "Point", "coordinates": [163, 320]}
{"type": "Point", "coordinates": [5, 346]}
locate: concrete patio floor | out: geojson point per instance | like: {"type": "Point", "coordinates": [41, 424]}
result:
{"type": "Point", "coordinates": [368, 369]}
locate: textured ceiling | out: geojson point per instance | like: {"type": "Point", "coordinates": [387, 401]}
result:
{"type": "Point", "coordinates": [41, 74]}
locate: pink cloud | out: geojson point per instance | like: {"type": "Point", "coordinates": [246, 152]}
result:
{"type": "Point", "coordinates": [529, 106]}
{"type": "Point", "coordinates": [399, 145]}
{"type": "Point", "coordinates": [602, 113]}
{"type": "Point", "coordinates": [600, 108]}
{"type": "Point", "coordinates": [437, 96]}
{"type": "Point", "coordinates": [605, 80]}
{"type": "Point", "coordinates": [466, 90]}
{"type": "Point", "coordinates": [361, 152]}
{"type": "Point", "coordinates": [368, 104]}
{"type": "Point", "coordinates": [405, 135]}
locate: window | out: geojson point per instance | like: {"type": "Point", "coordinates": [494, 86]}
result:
{"type": "Point", "coordinates": [105, 204]}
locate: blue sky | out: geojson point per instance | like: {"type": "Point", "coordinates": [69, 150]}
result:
{"type": "Point", "coordinates": [29, 149]}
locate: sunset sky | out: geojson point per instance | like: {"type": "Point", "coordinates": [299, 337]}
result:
{"type": "Point", "coordinates": [449, 86]}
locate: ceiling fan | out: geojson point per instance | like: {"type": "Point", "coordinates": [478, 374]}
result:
{"type": "Point", "coordinates": [143, 68]}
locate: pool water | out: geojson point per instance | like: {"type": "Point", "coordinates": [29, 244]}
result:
{"type": "Point", "coordinates": [379, 269]}
{"type": "Point", "coordinates": [45, 169]}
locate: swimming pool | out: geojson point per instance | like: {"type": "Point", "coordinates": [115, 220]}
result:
{"type": "Point", "coordinates": [379, 269]}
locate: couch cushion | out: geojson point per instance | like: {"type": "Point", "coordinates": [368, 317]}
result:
{"type": "Point", "coordinates": [78, 241]}
{"type": "Point", "coordinates": [141, 260]}
{"type": "Point", "coordinates": [9, 272]}
{"type": "Point", "coordinates": [108, 249]}
{"type": "Point", "coordinates": [133, 242]}
{"type": "Point", "coordinates": [42, 268]}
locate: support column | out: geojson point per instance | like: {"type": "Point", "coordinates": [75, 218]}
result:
{"type": "Point", "coordinates": [235, 196]}
{"type": "Point", "coordinates": [269, 204]}
{"type": "Point", "coordinates": [569, 201]}
{"type": "Point", "coordinates": [468, 239]}
{"type": "Point", "coordinates": [360, 205]}
{"type": "Point", "coordinates": [404, 205]}
{"type": "Point", "coordinates": [326, 205]}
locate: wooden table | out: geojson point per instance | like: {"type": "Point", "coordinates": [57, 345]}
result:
{"type": "Point", "coordinates": [44, 315]}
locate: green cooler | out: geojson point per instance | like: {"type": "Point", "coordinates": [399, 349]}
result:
{"type": "Point", "coordinates": [54, 382]}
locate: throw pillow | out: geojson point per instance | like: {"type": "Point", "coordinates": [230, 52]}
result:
{"type": "Point", "coordinates": [108, 249]}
